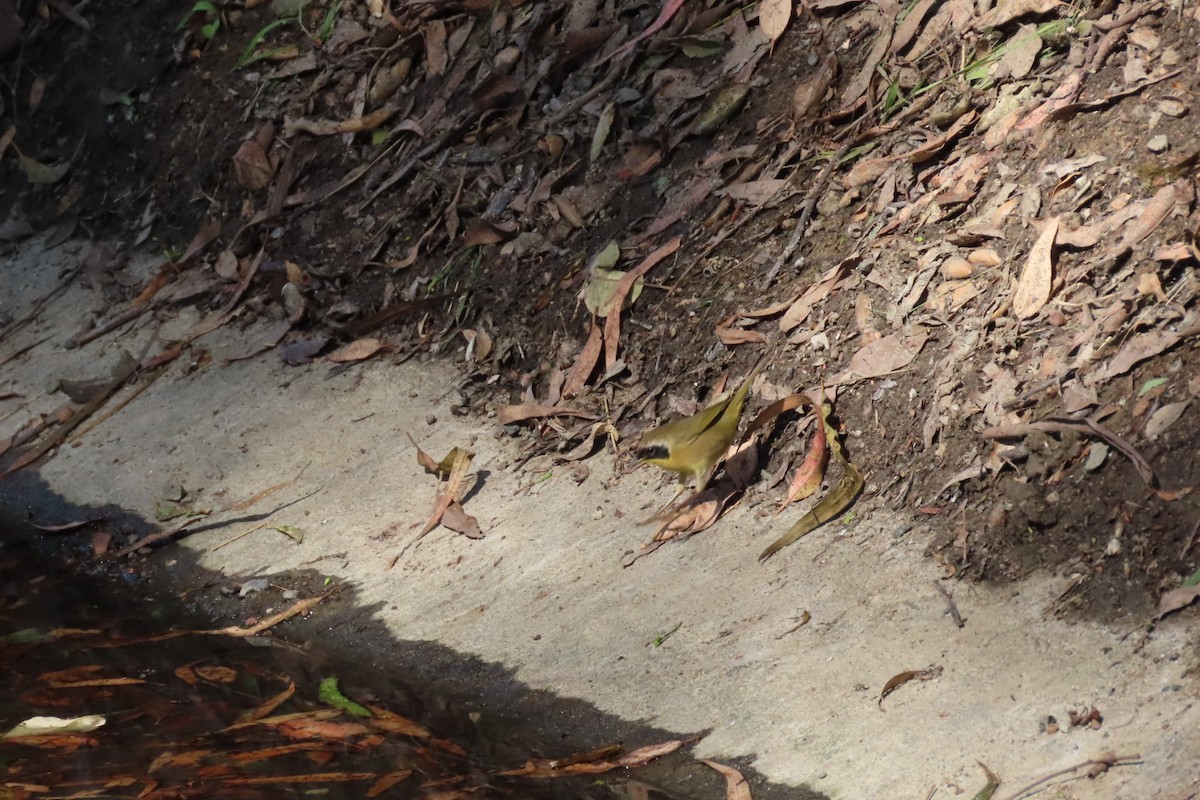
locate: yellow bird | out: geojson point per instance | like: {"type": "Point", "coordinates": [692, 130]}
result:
{"type": "Point", "coordinates": [694, 446]}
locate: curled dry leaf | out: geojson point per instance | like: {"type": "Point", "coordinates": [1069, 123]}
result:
{"type": "Point", "coordinates": [730, 335]}
{"type": "Point", "coordinates": [809, 94]}
{"type": "Point", "coordinates": [358, 350]}
{"type": "Point", "coordinates": [1033, 288]}
{"type": "Point", "coordinates": [612, 325]}
{"type": "Point", "coordinates": [736, 786]}
{"type": "Point", "coordinates": [894, 683]}
{"type": "Point", "coordinates": [836, 501]}
{"type": "Point", "coordinates": [1178, 598]}
{"type": "Point", "coordinates": [811, 472]}
{"type": "Point", "coordinates": [251, 166]}
{"type": "Point", "coordinates": [989, 789]}
{"type": "Point", "coordinates": [589, 356]}
{"type": "Point", "coordinates": [440, 468]}
{"type": "Point", "coordinates": [459, 521]}
{"type": "Point", "coordinates": [697, 514]}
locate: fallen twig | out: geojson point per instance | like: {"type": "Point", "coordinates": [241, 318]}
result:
{"type": "Point", "coordinates": [815, 192]}
{"type": "Point", "coordinates": [13, 327]}
{"type": "Point", "coordinates": [1095, 768]}
{"type": "Point", "coordinates": [56, 438]}
{"type": "Point", "coordinates": [159, 536]}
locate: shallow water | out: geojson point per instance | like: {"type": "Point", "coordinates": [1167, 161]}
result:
{"type": "Point", "coordinates": [171, 700]}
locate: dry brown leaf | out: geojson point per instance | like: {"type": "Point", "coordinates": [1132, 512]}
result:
{"type": "Point", "coordinates": [810, 92]}
{"type": "Point", "coordinates": [612, 324]}
{"type": "Point", "coordinates": [251, 165]}
{"type": "Point", "coordinates": [1033, 288]}
{"type": "Point", "coordinates": [769, 311]}
{"type": "Point", "coordinates": [436, 58]}
{"type": "Point", "coordinates": [1066, 94]}
{"type": "Point", "coordinates": [803, 306]}
{"type": "Point", "coordinates": [1021, 52]}
{"type": "Point", "coordinates": [731, 336]}
{"type": "Point", "coordinates": [882, 356]}
{"type": "Point", "coordinates": [866, 170]}
{"type": "Point", "coordinates": [811, 471]}
{"type": "Point", "coordinates": [459, 521]}
{"type": "Point", "coordinates": [883, 22]}
{"type": "Point", "coordinates": [1164, 418]}
{"type": "Point", "coordinates": [908, 27]}
{"type": "Point", "coordinates": [387, 781]}
{"type": "Point", "coordinates": [774, 16]}
{"type": "Point", "coordinates": [698, 514]}
{"type": "Point", "coordinates": [1010, 10]}
{"type": "Point", "coordinates": [1176, 599]}
{"type": "Point", "coordinates": [458, 472]}
{"type": "Point", "coordinates": [590, 764]}
{"type": "Point", "coordinates": [934, 146]}
{"type": "Point", "coordinates": [508, 414]}
{"type": "Point", "coordinates": [736, 786]}
{"type": "Point", "coordinates": [1136, 350]}
{"type": "Point", "coordinates": [357, 350]}
{"type": "Point", "coordinates": [758, 192]}
{"type": "Point", "coordinates": [1155, 212]}
{"type": "Point", "coordinates": [585, 363]}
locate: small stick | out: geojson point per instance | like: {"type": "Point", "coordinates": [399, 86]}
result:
{"type": "Point", "coordinates": [950, 605]}
{"type": "Point", "coordinates": [159, 536]}
{"type": "Point", "coordinates": [1190, 541]}
{"type": "Point", "coordinates": [13, 327]}
{"type": "Point", "coordinates": [815, 192]}
{"type": "Point", "coordinates": [241, 535]}
{"type": "Point", "coordinates": [1106, 761]}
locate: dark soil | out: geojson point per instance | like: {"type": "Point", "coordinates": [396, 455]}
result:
{"type": "Point", "coordinates": [167, 156]}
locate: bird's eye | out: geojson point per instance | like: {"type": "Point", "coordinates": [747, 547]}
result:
{"type": "Point", "coordinates": [653, 451]}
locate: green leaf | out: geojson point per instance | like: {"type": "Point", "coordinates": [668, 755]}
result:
{"type": "Point", "coordinates": [28, 636]}
{"type": "Point", "coordinates": [1193, 579]}
{"type": "Point", "coordinates": [1150, 386]}
{"type": "Point", "coordinates": [702, 46]}
{"type": "Point", "coordinates": [202, 7]}
{"type": "Point", "coordinates": [291, 531]}
{"type": "Point", "coordinates": [251, 54]}
{"type": "Point", "coordinates": [331, 695]}
{"type": "Point", "coordinates": [37, 172]}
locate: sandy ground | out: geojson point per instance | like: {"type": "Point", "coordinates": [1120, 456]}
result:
{"type": "Point", "coordinates": [545, 595]}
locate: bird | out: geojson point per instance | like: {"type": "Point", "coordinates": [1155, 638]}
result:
{"type": "Point", "coordinates": [693, 446]}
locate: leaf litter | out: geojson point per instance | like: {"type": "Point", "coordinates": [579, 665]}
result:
{"type": "Point", "coordinates": [238, 717]}
{"type": "Point", "coordinates": [524, 177]}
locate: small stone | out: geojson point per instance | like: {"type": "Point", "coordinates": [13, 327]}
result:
{"type": "Point", "coordinates": [506, 59]}
{"type": "Point", "coordinates": [1056, 318]}
{"type": "Point", "coordinates": [956, 267]}
{"type": "Point", "coordinates": [430, 419]}
{"type": "Point", "coordinates": [1172, 107]}
{"type": "Point", "coordinates": [985, 257]}
{"type": "Point", "coordinates": [1157, 144]}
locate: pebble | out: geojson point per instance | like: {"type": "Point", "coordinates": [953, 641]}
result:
{"type": "Point", "coordinates": [1157, 144]}
{"type": "Point", "coordinates": [1172, 107]}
